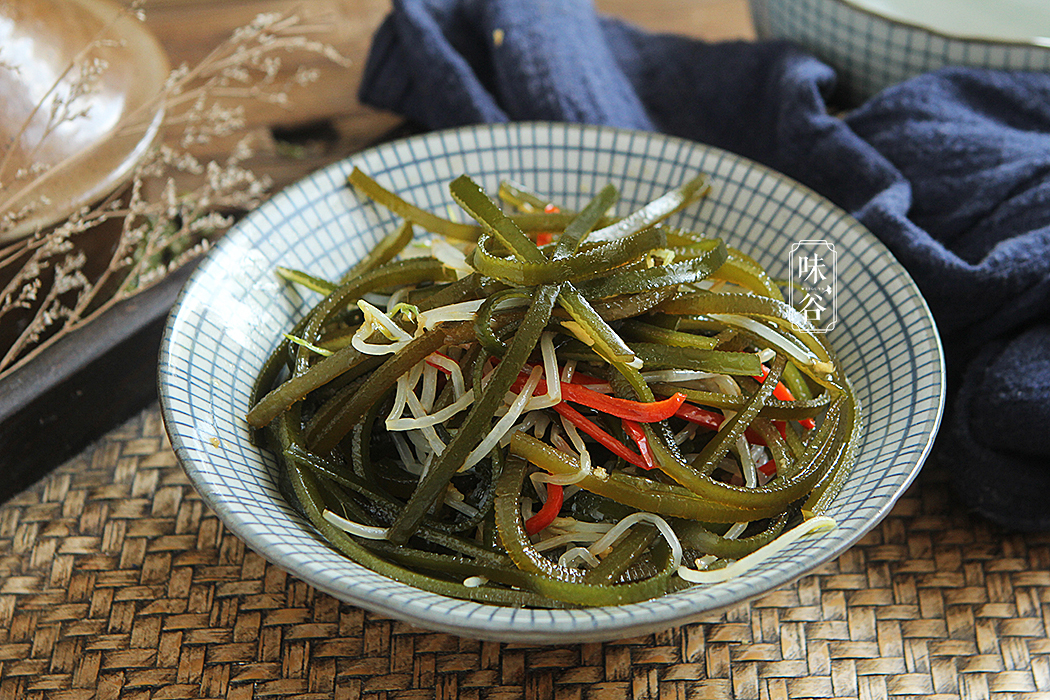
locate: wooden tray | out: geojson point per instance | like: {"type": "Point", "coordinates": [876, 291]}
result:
{"type": "Point", "coordinates": [90, 381]}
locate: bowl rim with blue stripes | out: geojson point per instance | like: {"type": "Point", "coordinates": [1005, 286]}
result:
{"type": "Point", "coordinates": [871, 50]}
{"type": "Point", "coordinates": [230, 315]}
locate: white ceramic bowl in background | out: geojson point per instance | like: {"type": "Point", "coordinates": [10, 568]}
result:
{"type": "Point", "coordinates": [877, 43]}
{"type": "Point", "coordinates": [231, 313]}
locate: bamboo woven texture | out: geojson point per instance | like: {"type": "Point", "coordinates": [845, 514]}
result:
{"type": "Point", "coordinates": [116, 581]}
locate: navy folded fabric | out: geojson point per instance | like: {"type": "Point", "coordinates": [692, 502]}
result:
{"type": "Point", "coordinates": [951, 170]}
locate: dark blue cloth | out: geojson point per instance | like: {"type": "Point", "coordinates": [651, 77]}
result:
{"type": "Point", "coordinates": [951, 170]}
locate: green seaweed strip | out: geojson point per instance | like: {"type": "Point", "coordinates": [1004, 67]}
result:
{"type": "Point", "coordinates": [516, 542]}
{"type": "Point", "coordinates": [733, 429]}
{"type": "Point", "coordinates": [275, 363]}
{"type": "Point", "coordinates": [309, 496]}
{"type": "Point", "coordinates": [649, 333]}
{"type": "Point", "coordinates": [382, 252]}
{"type": "Point", "coordinates": [295, 388]}
{"type": "Point", "coordinates": [474, 200]}
{"type": "Point", "coordinates": [483, 319]}
{"type": "Point", "coordinates": [694, 535]}
{"type": "Point", "coordinates": [527, 269]}
{"type": "Point", "coordinates": [657, 210]}
{"type": "Point", "coordinates": [632, 281]}
{"type": "Point", "coordinates": [405, 272]}
{"type": "Point", "coordinates": [582, 224]}
{"type": "Point", "coordinates": [520, 197]}
{"type": "Point", "coordinates": [599, 334]}
{"type": "Point", "coordinates": [429, 530]}
{"type": "Point", "coordinates": [693, 478]}
{"type": "Point", "coordinates": [461, 290]}
{"type": "Point", "coordinates": [659, 356]}
{"type": "Point", "coordinates": [828, 487]}
{"type": "Point", "coordinates": [638, 492]}
{"type": "Point", "coordinates": [743, 270]}
{"type": "Point", "coordinates": [478, 421]}
{"type": "Point", "coordinates": [338, 415]}
{"type": "Point", "coordinates": [625, 554]}
{"type": "Point", "coordinates": [796, 383]}
{"type": "Point", "coordinates": [307, 280]}
{"type": "Point", "coordinates": [631, 305]}
{"type": "Point", "coordinates": [407, 210]}
{"type": "Point", "coordinates": [784, 461]}
{"type": "Point", "coordinates": [774, 408]}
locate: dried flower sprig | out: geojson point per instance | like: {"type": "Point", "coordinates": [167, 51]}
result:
{"type": "Point", "coordinates": [53, 282]}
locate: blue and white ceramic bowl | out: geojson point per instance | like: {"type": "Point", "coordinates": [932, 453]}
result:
{"type": "Point", "coordinates": [231, 313]}
{"type": "Point", "coordinates": [874, 44]}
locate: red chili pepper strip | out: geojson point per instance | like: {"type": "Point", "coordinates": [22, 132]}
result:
{"type": "Point", "coordinates": [440, 368]}
{"type": "Point", "coordinates": [638, 411]}
{"type": "Point", "coordinates": [638, 435]}
{"type": "Point", "coordinates": [587, 425]}
{"type": "Point", "coordinates": [519, 384]}
{"type": "Point", "coordinates": [701, 416]}
{"type": "Point", "coordinates": [605, 439]}
{"type": "Point", "coordinates": [781, 392]}
{"type": "Point", "coordinates": [546, 237]}
{"type": "Point", "coordinates": [712, 420]}
{"type": "Point", "coordinates": [546, 515]}
{"type": "Point", "coordinates": [784, 394]}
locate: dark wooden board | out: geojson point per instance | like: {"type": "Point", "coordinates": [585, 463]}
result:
{"type": "Point", "coordinates": [82, 386]}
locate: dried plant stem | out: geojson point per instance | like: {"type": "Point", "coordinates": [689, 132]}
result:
{"type": "Point", "coordinates": [47, 275]}
{"type": "Point", "coordinates": [12, 361]}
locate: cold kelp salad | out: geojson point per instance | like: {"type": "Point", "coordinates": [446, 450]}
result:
{"type": "Point", "coordinates": [531, 406]}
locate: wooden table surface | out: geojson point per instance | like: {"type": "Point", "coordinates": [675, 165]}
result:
{"type": "Point", "coordinates": [326, 119]}
{"type": "Point", "coordinates": [117, 581]}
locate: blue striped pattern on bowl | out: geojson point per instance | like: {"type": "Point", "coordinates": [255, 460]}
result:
{"type": "Point", "coordinates": [230, 315]}
{"type": "Point", "coordinates": [871, 52]}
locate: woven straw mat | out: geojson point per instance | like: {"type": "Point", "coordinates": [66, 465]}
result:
{"type": "Point", "coordinates": [116, 581]}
